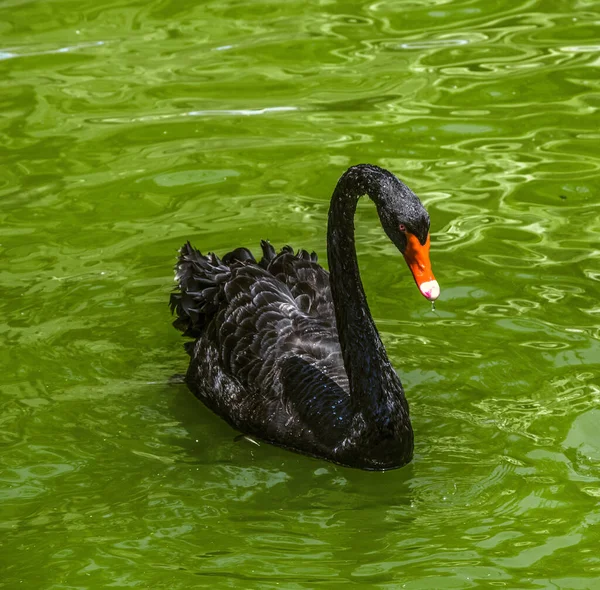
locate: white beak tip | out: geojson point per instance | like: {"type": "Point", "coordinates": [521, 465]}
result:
{"type": "Point", "coordinates": [430, 290]}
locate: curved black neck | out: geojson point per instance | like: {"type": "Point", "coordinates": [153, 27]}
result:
{"type": "Point", "coordinates": [374, 385]}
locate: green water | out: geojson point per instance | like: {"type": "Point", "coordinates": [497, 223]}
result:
{"type": "Point", "coordinates": [128, 127]}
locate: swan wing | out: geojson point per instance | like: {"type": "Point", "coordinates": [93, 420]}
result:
{"type": "Point", "coordinates": [280, 359]}
{"type": "Point", "coordinates": [307, 280]}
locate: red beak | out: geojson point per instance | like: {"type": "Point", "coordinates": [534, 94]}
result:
{"type": "Point", "coordinates": [417, 258]}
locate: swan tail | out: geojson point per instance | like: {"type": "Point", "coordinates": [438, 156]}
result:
{"type": "Point", "coordinates": [200, 281]}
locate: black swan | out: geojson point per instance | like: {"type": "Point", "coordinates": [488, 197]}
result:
{"type": "Point", "coordinates": [286, 352]}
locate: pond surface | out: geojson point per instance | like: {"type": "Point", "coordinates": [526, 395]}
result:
{"type": "Point", "coordinates": [128, 127]}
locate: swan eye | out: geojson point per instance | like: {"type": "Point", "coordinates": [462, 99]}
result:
{"type": "Point", "coordinates": [402, 227]}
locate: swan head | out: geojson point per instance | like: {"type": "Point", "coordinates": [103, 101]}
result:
{"type": "Point", "coordinates": [406, 222]}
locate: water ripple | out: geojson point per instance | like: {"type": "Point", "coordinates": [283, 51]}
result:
{"type": "Point", "coordinates": [127, 129]}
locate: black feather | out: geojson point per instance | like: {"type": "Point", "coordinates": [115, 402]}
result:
{"type": "Point", "coordinates": [267, 355]}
